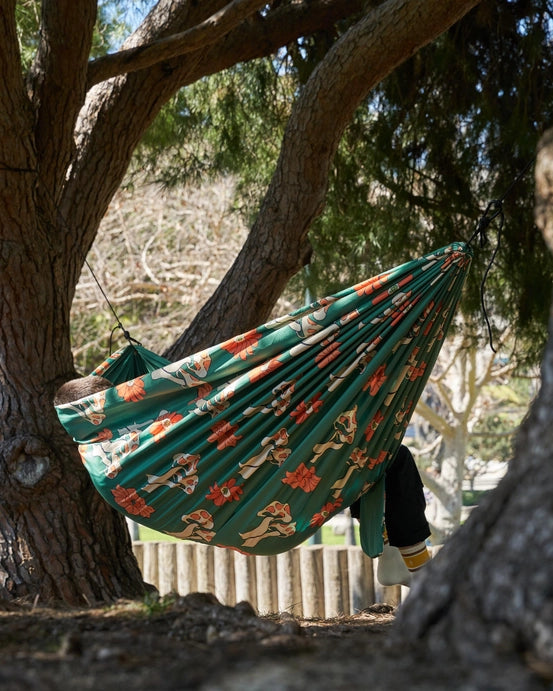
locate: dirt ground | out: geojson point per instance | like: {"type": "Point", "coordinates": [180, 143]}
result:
{"type": "Point", "coordinates": [194, 642]}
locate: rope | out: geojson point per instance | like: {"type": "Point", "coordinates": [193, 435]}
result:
{"type": "Point", "coordinates": [493, 210]}
{"type": "Point", "coordinates": [132, 341]}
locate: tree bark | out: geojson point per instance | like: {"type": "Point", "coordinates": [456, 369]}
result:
{"type": "Point", "coordinates": [486, 601]}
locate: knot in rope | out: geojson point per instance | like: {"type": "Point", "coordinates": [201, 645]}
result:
{"type": "Point", "coordinates": [493, 211]}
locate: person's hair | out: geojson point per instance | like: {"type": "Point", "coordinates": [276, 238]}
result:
{"type": "Point", "coordinates": [79, 388]}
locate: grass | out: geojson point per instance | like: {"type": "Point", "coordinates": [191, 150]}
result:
{"type": "Point", "coordinates": [471, 497]}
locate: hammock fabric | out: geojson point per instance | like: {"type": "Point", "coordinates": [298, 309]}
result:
{"type": "Point", "coordinates": [256, 442]}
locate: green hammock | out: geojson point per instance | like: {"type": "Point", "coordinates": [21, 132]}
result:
{"type": "Point", "coordinates": [254, 443]}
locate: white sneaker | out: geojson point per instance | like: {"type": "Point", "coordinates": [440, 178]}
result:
{"type": "Point", "coordinates": [391, 569]}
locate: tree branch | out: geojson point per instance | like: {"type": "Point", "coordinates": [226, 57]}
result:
{"type": "Point", "coordinates": [205, 33]}
{"type": "Point", "coordinates": [57, 83]}
{"type": "Point", "coordinates": [433, 418]}
{"type": "Point", "coordinates": [16, 149]}
{"type": "Point", "coordinates": [432, 482]}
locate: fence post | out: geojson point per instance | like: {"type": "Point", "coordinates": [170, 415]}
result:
{"type": "Point", "coordinates": [167, 568]}
{"type": "Point", "coordinates": [138, 549]}
{"type": "Point", "coordinates": [312, 581]}
{"type": "Point", "coordinates": [223, 566]}
{"type": "Point", "coordinates": [205, 573]}
{"type": "Point", "coordinates": [133, 529]}
{"type": "Point", "coordinates": [245, 573]}
{"type": "Point", "coordinates": [288, 582]}
{"type": "Point", "coordinates": [336, 582]}
{"type": "Point", "coordinates": [187, 581]}
{"type": "Point", "coordinates": [267, 587]}
{"type": "Point", "coordinates": [150, 569]}
{"type": "Point", "coordinates": [361, 580]}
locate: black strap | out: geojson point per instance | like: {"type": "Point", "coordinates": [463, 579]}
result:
{"type": "Point", "coordinates": [493, 211]}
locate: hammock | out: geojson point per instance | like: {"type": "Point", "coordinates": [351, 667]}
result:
{"type": "Point", "coordinates": [256, 442]}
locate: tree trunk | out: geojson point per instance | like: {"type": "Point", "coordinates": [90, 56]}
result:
{"type": "Point", "coordinates": [448, 488]}
{"type": "Point", "coordinates": [58, 540]}
{"type": "Point", "coordinates": [486, 601]}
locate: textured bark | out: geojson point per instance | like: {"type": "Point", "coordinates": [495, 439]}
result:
{"type": "Point", "coordinates": [59, 541]}
{"type": "Point", "coordinates": [64, 149]}
{"type": "Point", "coordinates": [167, 48]}
{"type": "Point", "coordinates": [487, 599]}
{"type": "Point", "coordinates": [543, 210]}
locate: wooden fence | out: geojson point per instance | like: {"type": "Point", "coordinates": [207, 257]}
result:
{"type": "Point", "coordinates": [312, 581]}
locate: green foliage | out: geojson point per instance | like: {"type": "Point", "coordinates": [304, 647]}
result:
{"type": "Point", "coordinates": [28, 19]}
{"type": "Point", "coordinates": [153, 604]}
{"type": "Point", "coordinates": [471, 497]}
{"type": "Point", "coordinates": [231, 123]}
{"type": "Point", "coordinates": [507, 404]}
{"type": "Point", "coordinates": [494, 438]}
{"type": "Point", "coordinates": [454, 128]}
{"type": "Point", "coordinates": [116, 20]}
{"type": "Point", "coordinates": [447, 132]}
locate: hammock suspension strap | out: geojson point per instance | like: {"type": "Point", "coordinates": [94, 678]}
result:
{"type": "Point", "coordinates": [493, 211]}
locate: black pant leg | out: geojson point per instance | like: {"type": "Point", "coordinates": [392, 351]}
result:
{"type": "Point", "coordinates": [406, 523]}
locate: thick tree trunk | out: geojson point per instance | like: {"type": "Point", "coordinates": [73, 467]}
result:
{"type": "Point", "coordinates": [58, 540]}
{"type": "Point", "coordinates": [486, 600]}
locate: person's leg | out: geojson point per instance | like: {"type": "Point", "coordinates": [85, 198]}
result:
{"type": "Point", "coordinates": [406, 523]}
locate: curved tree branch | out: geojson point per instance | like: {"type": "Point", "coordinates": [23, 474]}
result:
{"type": "Point", "coordinates": [368, 52]}
{"type": "Point", "coordinates": [433, 418]}
{"type": "Point", "coordinates": [207, 32]}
